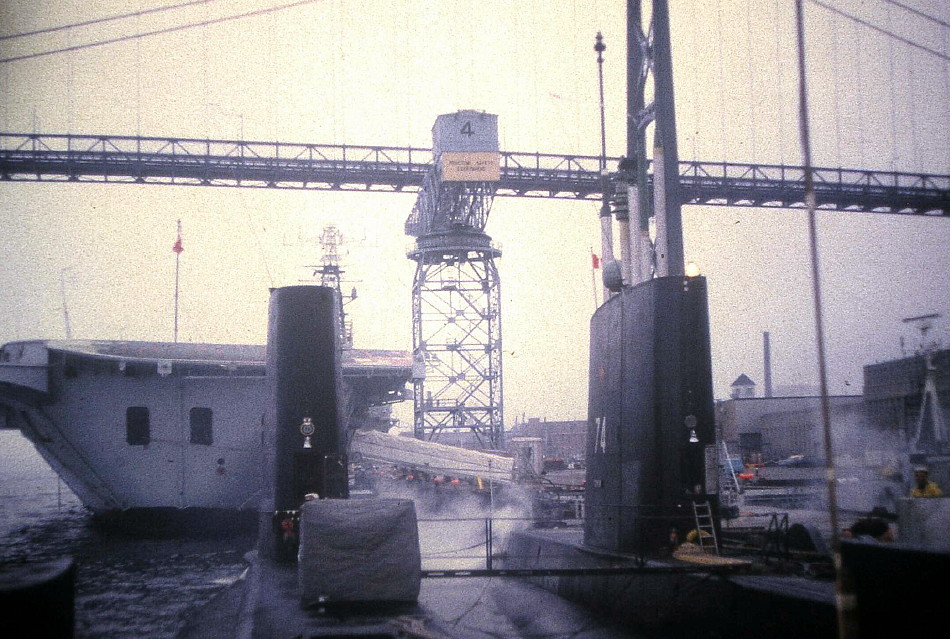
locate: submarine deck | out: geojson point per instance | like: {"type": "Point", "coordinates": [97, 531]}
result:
{"type": "Point", "coordinates": [265, 604]}
{"type": "Point", "coordinates": [678, 603]}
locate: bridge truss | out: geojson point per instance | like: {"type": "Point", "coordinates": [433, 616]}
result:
{"type": "Point", "coordinates": [233, 163]}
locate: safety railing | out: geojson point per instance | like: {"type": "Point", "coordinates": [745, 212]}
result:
{"type": "Point", "coordinates": [261, 164]}
{"type": "Point", "coordinates": [477, 557]}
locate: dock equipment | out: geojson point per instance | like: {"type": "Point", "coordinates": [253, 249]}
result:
{"type": "Point", "coordinates": [456, 296]}
{"type": "Point", "coordinates": [705, 527]}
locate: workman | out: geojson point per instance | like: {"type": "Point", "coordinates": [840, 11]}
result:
{"type": "Point", "coordinates": [871, 528]}
{"type": "Point", "coordinates": [923, 487]}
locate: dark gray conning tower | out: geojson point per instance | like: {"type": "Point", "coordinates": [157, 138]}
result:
{"type": "Point", "coordinates": [651, 420]}
{"type": "Point", "coordinates": [304, 425]}
{"type": "Point", "coordinates": [456, 296]}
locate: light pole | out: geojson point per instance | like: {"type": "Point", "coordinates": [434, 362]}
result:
{"type": "Point", "coordinates": [177, 248]}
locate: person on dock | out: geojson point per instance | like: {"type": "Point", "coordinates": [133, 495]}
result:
{"type": "Point", "coordinates": [923, 486]}
{"type": "Point", "coordinates": [871, 528]}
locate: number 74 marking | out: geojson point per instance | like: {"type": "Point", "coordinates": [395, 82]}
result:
{"type": "Point", "coordinates": [600, 436]}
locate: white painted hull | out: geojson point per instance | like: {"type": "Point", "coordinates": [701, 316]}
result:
{"type": "Point", "coordinates": [84, 439]}
{"type": "Point", "coordinates": [72, 401]}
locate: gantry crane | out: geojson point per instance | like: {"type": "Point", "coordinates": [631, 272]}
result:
{"type": "Point", "coordinates": [456, 299]}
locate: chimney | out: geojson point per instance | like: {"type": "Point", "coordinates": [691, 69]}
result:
{"type": "Point", "coordinates": [768, 364]}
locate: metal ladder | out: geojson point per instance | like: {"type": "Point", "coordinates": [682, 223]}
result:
{"type": "Point", "coordinates": [702, 513]}
{"type": "Point", "coordinates": [730, 495]}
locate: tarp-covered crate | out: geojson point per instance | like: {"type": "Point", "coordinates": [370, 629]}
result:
{"type": "Point", "coordinates": [355, 550]}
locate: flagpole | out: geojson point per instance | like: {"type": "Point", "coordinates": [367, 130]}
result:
{"type": "Point", "coordinates": [177, 248]}
{"type": "Point", "coordinates": [593, 277]}
{"type": "Point", "coordinates": [177, 266]}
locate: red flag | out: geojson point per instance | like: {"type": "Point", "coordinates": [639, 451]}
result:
{"type": "Point", "coordinates": [594, 260]}
{"type": "Point", "coordinates": [178, 248]}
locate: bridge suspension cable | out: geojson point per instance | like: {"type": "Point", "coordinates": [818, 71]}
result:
{"type": "Point", "coordinates": [925, 16]}
{"type": "Point", "coordinates": [145, 34]}
{"type": "Point", "coordinates": [869, 25]}
{"type": "Point", "coordinates": [122, 16]}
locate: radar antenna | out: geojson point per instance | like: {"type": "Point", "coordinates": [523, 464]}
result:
{"type": "Point", "coordinates": [331, 275]}
{"type": "Point", "coordinates": [929, 399]}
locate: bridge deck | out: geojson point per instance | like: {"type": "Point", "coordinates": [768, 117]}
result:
{"type": "Point", "coordinates": [232, 163]}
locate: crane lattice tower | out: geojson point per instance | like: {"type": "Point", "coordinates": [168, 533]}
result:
{"type": "Point", "coordinates": [456, 295]}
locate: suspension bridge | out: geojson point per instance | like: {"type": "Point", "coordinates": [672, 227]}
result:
{"type": "Point", "coordinates": [232, 163]}
{"type": "Point", "coordinates": [261, 163]}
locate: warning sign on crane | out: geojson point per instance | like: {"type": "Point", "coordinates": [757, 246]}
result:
{"type": "Point", "coordinates": [466, 147]}
{"type": "Point", "coordinates": [470, 167]}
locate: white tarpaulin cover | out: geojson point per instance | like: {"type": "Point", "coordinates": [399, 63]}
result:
{"type": "Point", "coordinates": [430, 456]}
{"type": "Point", "coordinates": [354, 550]}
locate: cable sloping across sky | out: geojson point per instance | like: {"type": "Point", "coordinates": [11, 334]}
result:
{"type": "Point", "coordinates": [266, 10]}
{"type": "Point", "coordinates": [925, 16]}
{"type": "Point", "coordinates": [146, 34]}
{"type": "Point", "coordinates": [867, 24]}
{"type": "Point", "coordinates": [122, 16]}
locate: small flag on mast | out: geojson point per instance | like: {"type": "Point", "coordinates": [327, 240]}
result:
{"type": "Point", "coordinates": [178, 248]}
{"type": "Point", "coordinates": [594, 260]}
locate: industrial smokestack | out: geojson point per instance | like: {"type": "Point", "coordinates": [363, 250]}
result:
{"type": "Point", "coordinates": [768, 363]}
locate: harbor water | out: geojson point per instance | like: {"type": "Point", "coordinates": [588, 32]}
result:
{"type": "Point", "coordinates": [133, 587]}
{"type": "Point", "coordinates": [125, 586]}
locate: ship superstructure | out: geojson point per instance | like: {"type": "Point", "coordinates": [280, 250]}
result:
{"type": "Point", "coordinates": [154, 425]}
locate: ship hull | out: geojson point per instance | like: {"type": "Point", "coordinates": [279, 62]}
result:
{"type": "Point", "coordinates": [83, 436]}
{"type": "Point", "coordinates": [143, 439]}
{"type": "Point", "coordinates": [651, 424]}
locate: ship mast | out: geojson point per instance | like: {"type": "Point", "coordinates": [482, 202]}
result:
{"type": "Point", "coordinates": [177, 248]}
{"type": "Point", "coordinates": [331, 276]}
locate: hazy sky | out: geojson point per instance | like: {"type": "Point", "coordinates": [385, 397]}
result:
{"type": "Point", "coordinates": [373, 72]}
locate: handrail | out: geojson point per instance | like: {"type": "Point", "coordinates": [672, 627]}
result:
{"type": "Point", "coordinates": [263, 164]}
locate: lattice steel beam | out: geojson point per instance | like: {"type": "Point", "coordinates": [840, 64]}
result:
{"type": "Point", "coordinates": [457, 329]}
{"type": "Point", "coordinates": [230, 163]}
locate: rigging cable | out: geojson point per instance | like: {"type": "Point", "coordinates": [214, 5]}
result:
{"type": "Point", "coordinates": [576, 141]}
{"type": "Point", "coordinates": [751, 83]}
{"type": "Point", "coordinates": [844, 599]}
{"type": "Point", "coordinates": [946, 83]}
{"type": "Point", "coordinates": [204, 77]}
{"type": "Point", "coordinates": [257, 238]}
{"type": "Point", "coordinates": [925, 16]}
{"type": "Point", "coordinates": [879, 29]}
{"type": "Point", "coordinates": [893, 109]}
{"type": "Point", "coordinates": [722, 97]}
{"type": "Point", "coordinates": [133, 14]}
{"type": "Point", "coordinates": [860, 97]}
{"type": "Point", "coordinates": [70, 85]}
{"type": "Point", "coordinates": [778, 70]}
{"type": "Point", "coordinates": [913, 111]}
{"type": "Point", "coordinates": [138, 81]}
{"type": "Point", "coordinates": [536, 97]}
{"type": "Point", "coordinates": [406, 63]}
{"type": "Point", "coordinates": [146, 34]}
{"type": "Point", "coordinates": [836, 74]}
{"type": "Point", "coordinates": [695, 71]}
{"type": "Point", "coordinates": [334, 60]}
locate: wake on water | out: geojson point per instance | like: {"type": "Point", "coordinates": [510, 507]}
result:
{"type": "Point", "coordinates": [125, 587]}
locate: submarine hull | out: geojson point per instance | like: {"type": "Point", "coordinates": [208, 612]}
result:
{"type": "Point", "coordinates": [651, 416]}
